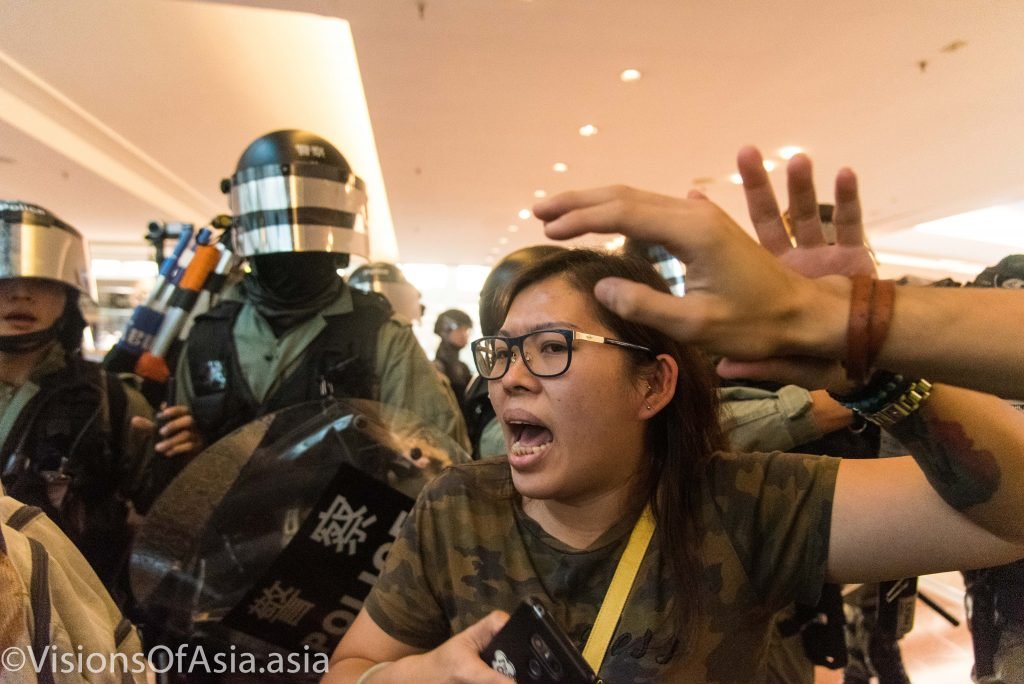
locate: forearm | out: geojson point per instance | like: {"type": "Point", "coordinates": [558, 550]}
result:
{"type": "Point", "coordinates": [362, 671]}
{"type": "Point", "coordinates": [970, 446]}
{"type": "Point", "coordinates": [971, 338]}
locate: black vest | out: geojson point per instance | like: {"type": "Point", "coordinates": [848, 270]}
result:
{"type": "Point", "coordinates": [63, 454]}
{"type": "Point", "coordinates": [340, 361]}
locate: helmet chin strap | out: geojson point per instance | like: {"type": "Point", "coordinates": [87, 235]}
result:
{"type": "Point", "coordinates": [29, 342]}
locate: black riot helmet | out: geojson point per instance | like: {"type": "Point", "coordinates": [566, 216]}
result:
{"type": "Point", "coordinates": [1008, 273]}
{"type": "Point", "coordinates": [293, 191]}
{"type": "Point", "coordinates": [450, 320]}
{"type": "Point", "coordinates": [491, 313]}
{"type": "Point", "coordinates": [388, 280]}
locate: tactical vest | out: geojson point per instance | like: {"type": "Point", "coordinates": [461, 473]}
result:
{"type": "Point", "coordinates": [63, 456]}
{"type": "Point", "coordinates": [340, 361]}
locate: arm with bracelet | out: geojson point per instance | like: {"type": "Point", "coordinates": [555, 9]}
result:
{"type": "Point", "coordinates": [793, 317]}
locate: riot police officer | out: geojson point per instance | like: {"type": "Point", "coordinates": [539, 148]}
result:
{"type": "Point", "coordinates": [453, 327]}
{"type": "Point", "coordinates": [66, 445]}
{"type": "Point", "coordinates": [388, 281]}
{"type": "Point", "coordinates": [292, 330]}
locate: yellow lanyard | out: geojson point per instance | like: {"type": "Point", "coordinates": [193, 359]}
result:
{"type": "Point", "coordinates": [614, 600]}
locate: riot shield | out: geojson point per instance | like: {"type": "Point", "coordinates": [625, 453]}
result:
{"type": "Point", "coordinates": [270, 539]}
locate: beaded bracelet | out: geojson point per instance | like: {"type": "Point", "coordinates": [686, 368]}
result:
{"type": "Point", "coordinates": [882, 388]}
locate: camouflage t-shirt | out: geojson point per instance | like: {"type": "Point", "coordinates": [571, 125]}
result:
{"type": "Point", "coordinates": [468, 549]}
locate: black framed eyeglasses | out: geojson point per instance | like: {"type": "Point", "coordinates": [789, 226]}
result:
{"type": "Point", "coordinates": [546, 353]}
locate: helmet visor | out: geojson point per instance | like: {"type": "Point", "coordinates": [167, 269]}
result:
{"type": "Point", "coordinates": [298, 207]}
{"type": "Point", "coordinates": [36, 244]}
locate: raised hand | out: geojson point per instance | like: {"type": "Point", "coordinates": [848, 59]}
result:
{"type": "Point", "coordinates": [740, 301]}
{"type": "Point", "coordinates": [811, 256]}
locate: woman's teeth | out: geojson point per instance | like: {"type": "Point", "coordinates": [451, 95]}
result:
{"type": "Point", "coordinates": [520, 449]}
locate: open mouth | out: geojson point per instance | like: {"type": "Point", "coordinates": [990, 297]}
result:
{"type": "Point", "coordinates": [529, 438]}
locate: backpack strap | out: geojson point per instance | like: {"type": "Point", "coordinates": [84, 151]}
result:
{"type": "Point", "coordinates": [39, 595]}
{"type": "Point", "coordinates": [23, 516]}
{"type": "Point", "coordinates": [121, 632]}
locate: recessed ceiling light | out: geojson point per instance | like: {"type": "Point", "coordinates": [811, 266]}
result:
{"type": "Point", "coordinates": [588, 130]}
{"type": "Point", "coordinates": [769, 165]}
{"type": "Point", "coordinates": [495, 250]}
{"type": "Point", "coordinates": [630, 75]}
{"type": "Point", "coordinates": [513, 228]}
{"type": "Point", "coordinates": [560, 167]}
{"type": "Point", "coordinates": [540, 193]}
{"type": "Point", "coordinates": [789, 151]}
{"type": "Point", "coordinates": [503, 240]}
{"type": "Point", "coordinates": [736, 179]}
{"type": "Point", "coordinates": [524, 214]}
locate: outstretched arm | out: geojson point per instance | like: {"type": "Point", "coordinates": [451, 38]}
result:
{"type": "Point", "coordinates": [958, 506]}
{"type": "Point", "coordinates": [745, 304]}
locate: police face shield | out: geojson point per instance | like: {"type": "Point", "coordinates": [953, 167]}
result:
{"type": "Point", "coordinates": [271, 538]}
{"type": "Point", "coordinates": [298, 207]}
{"type": "Point", "coordinates": [36, 244]}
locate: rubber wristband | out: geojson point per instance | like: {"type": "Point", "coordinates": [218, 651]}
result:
{"type": "Point", "coordinates": [858, 328]}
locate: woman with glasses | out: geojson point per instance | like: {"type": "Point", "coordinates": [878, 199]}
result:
{"type": "Point", "coordinates": [613, 434]}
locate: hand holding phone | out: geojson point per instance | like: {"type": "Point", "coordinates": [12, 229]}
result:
{"type": "Point", "coordinates": [533, 649]}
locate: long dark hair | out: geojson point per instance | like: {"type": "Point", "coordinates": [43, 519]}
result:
{"type": "Point", "coordinates": [679, 439]}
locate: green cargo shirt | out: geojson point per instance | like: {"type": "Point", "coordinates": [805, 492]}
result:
{"type": "Point", "coordinates": [407, 378]}
{"type": "Point", "coordinates": [468, 548]}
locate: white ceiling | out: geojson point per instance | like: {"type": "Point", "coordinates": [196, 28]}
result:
{"type": "Point", "coordinates": [472, 101]}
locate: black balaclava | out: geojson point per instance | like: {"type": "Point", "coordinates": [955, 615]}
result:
{"type": "Point", "coordinates": [288, 288]}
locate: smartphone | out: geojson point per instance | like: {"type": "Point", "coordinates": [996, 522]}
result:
{"type": "Point", "coordinates": [532, 649]}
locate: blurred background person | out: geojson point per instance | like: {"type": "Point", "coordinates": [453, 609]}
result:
{"type": "Point", "coordinates": [453, 327]}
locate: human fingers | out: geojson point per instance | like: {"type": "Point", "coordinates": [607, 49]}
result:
{"type": "Point", "coordinates": [182, 442]}
{"type": "Point", "coordinates": [461, 658]}
{"type": "Point", "coordinates": [141, 424]}
{"type": "Point", "coordinates": [179, 446]}
{"type": "Point", "coordinates": [171, 412]}
{"type": "Point", "coordinates": [761, 203]}
{"type": "Point", "coordinates": [184, 423]}
{"type": "Point", "coordinates": [480, 633]}
{"type": "Point", "coordinates": [642, 304]}
{"type": "Point", "coordinates": [807, 372]}
{"type": "Point", "coordinates": [645, 216]}
{"type": "Point", "coordinates": [551, 208]}
{"type": "Point", "coordinates": [179, 436]}
{"type": "Point", "coordinates": [804, 216]}
{"type": "Point", "coordinates": [847, 216]}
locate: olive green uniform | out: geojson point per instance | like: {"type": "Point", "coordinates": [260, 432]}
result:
{"type": "Point", "coordinates": [468, 548]}
{"type": "Point", "coordinates": [407, 378]}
